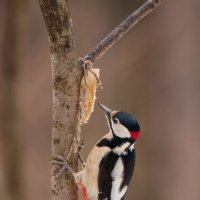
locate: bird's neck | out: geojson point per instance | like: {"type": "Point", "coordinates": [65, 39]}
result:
{"type": "Point", "coordinates": [113, 141]}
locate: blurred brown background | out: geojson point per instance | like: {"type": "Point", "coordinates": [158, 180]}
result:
{"type": "Point", "coordinates": [152, 72]}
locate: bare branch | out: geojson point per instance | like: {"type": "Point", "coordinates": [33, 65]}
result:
{"type": "Point", "coordinates": [120, 30]}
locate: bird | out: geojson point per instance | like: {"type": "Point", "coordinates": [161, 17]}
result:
{"type": "Point", "coordinates": [110, 164]}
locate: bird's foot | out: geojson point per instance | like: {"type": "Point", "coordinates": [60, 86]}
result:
{"type": "Point", "coordinates": [63, 162]}
{"type": "Point", "coordinates": [60, 160]}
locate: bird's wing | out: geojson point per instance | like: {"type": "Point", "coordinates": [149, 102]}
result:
{"type": "Point", "coordinates": [104, 177]}
{"type": "Point", "coordinates": [114, 176]}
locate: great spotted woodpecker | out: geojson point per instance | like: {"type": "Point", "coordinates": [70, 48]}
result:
{"type": "Point", "coordinates": [110, 164]}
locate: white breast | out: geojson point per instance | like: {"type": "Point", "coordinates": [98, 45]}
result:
{"type": "Point", "coordinates": [117, 175]}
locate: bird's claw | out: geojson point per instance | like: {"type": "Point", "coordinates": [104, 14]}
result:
{"type": "Point", "coordinates": [60, 160]}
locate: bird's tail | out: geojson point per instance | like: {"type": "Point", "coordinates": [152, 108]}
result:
{"type": "Point", "coordinates": [83, 191]}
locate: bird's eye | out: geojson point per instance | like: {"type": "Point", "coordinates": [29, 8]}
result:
{"type": "Point", "coordinates": [116, 121]}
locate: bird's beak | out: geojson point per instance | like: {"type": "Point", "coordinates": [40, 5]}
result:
{"type": "Point", "coordinates": [106, 110]}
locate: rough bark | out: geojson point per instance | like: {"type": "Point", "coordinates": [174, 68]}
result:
{"type": "Point", "coordinates": [10, 134]}
{"type": "Point", "coordinates": [66, 77]}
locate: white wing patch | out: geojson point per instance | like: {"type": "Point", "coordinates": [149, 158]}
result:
{"type": "Point", "coordinates": [117, 175]}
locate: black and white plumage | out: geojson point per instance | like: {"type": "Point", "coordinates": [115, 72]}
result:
{"type": "Point", "coordinates": [110, 164]}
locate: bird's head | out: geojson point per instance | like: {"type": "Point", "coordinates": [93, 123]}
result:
{"type": "Point", "coordinates": [122, 124]}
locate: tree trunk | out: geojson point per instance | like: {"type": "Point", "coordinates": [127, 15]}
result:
{"type": "Point", "coordinates": [66, 76]}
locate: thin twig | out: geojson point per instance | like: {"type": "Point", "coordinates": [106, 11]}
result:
{"type": "Point", "coordinates": [120, 30]}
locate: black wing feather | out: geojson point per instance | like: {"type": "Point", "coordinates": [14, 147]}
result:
{"type": "Point", "coordinates": [104, 178]}
{"type": "Point", "coordinates": [129, 164]}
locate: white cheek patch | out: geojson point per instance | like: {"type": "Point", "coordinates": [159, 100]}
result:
{"type": "Point", "coordinates": [117, 176]}
{"type": "Point", "coordinates": [120, 131]}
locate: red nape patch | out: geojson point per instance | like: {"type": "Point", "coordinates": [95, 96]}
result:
{"type": "Point", "coordinates": [83, 191]}
{"type": "Point", "coordinates": [135, 135]}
